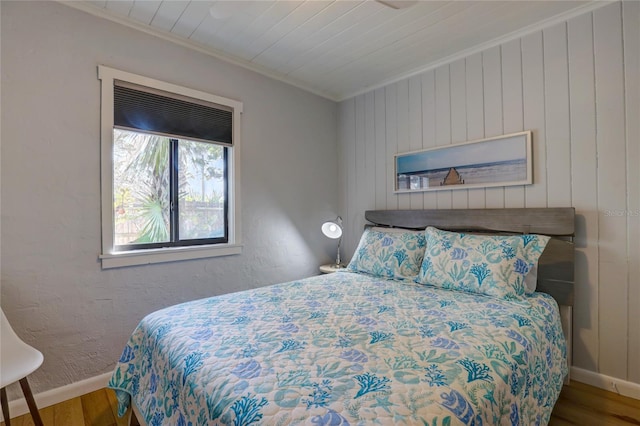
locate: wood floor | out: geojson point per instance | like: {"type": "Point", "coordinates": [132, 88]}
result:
{"type": "Point", "coordinates": [579, 404]}
{"type": "Point", "coordinates": [98, 408]}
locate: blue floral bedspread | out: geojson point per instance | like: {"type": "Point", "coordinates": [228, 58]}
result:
{"type": "Point", "coordinates": [345, 349]}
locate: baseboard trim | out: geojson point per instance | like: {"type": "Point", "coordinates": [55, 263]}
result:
{"type": "Point", "coordinates": [18, 407]}
{"type": "Point", "coordinates": [611, 384]}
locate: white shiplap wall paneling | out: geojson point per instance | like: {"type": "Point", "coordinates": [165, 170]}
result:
{"type": "Point", "coordinates": [415, 129]}
{"type": "Point", "coordinates": [575, 85]}
{"type": "Point", "coordinates": [391, 100]}
{"type": "Point", "coordinates": [609, 75]}
{"type": "Point", "coordinates": [349, 220]}
{"type": "Point", "coordinates": [344, 208]}
{"type": "Point", "coordinates": [458, 80]}
{"type": "Point", "coordinates": [360, 196]}
{"type": "Point", "coordinates": [345, 174]}
{"type": "Point", "coordinates": [383, 175]}
{"type": "Point", "coordinates": [512, 109]}
{"type": "Point", "coordinates": [429, 126]}
{"type": "Point", "coordinates": [533, 99]}
{"type": "Point", "coordinates": [556, 96]}
{"type": "Point", "coordinates": [370, 151]}
{"type": "Point", "coordinates": [404, 144]}
{"type": "Point", "coordinates": [492, 85]}
{"type": "Point", "coordinates": [492, 80]}
{"type": "Point", "coordinates": [475, 116]}
{"type": "Point", "coordinates": [443, 124]}
{"type": "Point", "coordinates": [584, 196]}
{"type": "Point", "coordinates": [475, 98]}
{"type": "Point", "coordinates": [460, 197]}
{"type": "Point", "coordinates": [631, 13]}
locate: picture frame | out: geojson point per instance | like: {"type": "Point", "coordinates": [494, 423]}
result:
{"type": "Point", "coordinates": [498, 161]}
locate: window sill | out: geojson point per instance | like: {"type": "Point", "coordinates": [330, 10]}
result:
{"type": "Point", "coordinates": [145, 257]}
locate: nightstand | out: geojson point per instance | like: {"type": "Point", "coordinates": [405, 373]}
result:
{"type": "Point", "coordinates": [330, 268]}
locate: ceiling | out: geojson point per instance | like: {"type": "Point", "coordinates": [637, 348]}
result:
{"type": "Point", "coordinates": [336, 49]}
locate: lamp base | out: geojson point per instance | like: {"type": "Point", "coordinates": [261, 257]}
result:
{"type": "Point", "coordinates": [332, 267]}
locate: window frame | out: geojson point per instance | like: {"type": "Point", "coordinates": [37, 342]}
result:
{"type": "Point", "coordinates": [113, 259]}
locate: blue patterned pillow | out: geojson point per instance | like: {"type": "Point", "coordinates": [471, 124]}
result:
{"type": "Point", "coordinates": [494, 265]}
{"type": "Point", "coordinates": [389, 253]}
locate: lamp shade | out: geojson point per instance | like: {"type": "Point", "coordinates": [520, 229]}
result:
{"type": "Point", "coordinates": [332, 228]}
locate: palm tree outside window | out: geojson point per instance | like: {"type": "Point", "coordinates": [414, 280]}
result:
{"type": "Point", "coordinates": [169, 175]}
{"type": "Point", "coordinates": [168, 191]}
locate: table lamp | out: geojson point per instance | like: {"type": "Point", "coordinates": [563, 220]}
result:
{"type": "Point", "coordinates": [333, 229]}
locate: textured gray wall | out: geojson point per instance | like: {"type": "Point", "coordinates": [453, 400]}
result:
{"type": "Point", "coordinates": [53, 289]}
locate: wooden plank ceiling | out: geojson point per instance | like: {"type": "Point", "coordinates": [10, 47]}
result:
{"type": "Point", "coordinates": [334, 48]}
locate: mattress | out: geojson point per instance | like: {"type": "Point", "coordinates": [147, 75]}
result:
{"type": "Point", "coordinates": [346, 349]}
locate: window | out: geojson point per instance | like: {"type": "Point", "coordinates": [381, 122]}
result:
{"type": "Point", "coordinates": [169, 161]}
{"type": "Point", "coordinates": [168, 192]}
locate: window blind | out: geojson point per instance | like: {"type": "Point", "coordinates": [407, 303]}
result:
{"type": "Point", "coordinates": [136, 108]}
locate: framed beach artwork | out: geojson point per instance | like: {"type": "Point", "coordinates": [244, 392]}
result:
{"type": "Point", "coordinates": [498, 161]}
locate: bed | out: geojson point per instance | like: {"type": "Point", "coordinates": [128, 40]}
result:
{"type": "Point", "coordinates": [365, 346]}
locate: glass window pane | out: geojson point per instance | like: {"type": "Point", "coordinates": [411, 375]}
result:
{"type": "Point", "coordinates": [202, 190]}
{"type": "Point", "coordinates": [140, 188]}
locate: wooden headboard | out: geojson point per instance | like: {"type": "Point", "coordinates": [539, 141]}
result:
{"type": "Point", "coordinates": [556, 265]}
